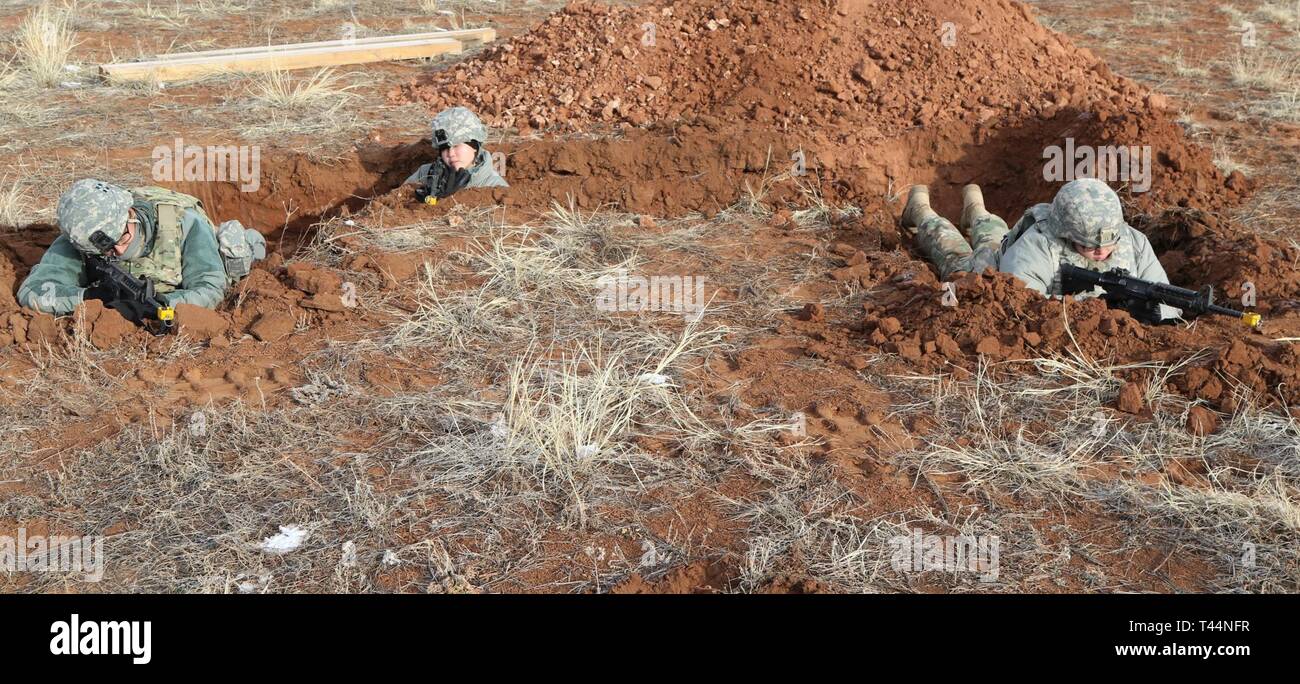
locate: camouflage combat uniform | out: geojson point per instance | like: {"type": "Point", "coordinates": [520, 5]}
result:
{"type": "Point", "coordinates": [1086, 211]}
{"type": "Point", "coordinates": [458, 125]}
{"type": "Point", "coordinates": [944, 245]}
{"type": "Point", "coordinates": [176, 247]}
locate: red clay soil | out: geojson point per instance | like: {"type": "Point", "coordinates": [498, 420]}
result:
{"type": "Point", "coordinates": [872, 97]}
{"type": "Point", "coordinates": [872, 94]}
{"type": "Point", "coordinates": [868, 90]}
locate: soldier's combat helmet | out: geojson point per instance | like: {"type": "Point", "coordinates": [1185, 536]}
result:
{"type": "Point", "coordinates": [457, 125]}
{"type": "Point", "coordinates": [1087, 212]}
{"type": "Point", "coordinates": [92, 214]}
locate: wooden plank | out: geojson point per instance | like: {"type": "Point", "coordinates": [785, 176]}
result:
{"type": "Point", "coordinates": [479, 35]}
{"type": "Point", "coordinates": [287, 60]}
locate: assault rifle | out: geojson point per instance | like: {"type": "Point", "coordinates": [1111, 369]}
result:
{"type": "Point", "coordinates": [133, 297]}
{"type": "Point", "coordinates": [441, 181]}
{"type": "Point", "coordinates": [1143, 298]}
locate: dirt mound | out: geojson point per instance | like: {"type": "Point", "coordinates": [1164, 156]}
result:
{"type": "Point", "coordinates": [296, 191]}
{"type": "Point", "coordinates": [704, 167]}
{"type": "Point", "coordinates": [8, 285]}
{"type": "Point", "coordinates": [1196, 248]}
{"type": "Point", "coordinates": [997, 318]}
{"type": "Point", "coordinates": [875, 91]}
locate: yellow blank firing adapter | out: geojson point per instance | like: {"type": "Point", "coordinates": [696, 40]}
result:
{"type": "Point", "coordinates": [431, 200]}
{"type": "Point", "coordinates": [1251, 319]}
{"type": "Point", "coordinates": [166, 313]}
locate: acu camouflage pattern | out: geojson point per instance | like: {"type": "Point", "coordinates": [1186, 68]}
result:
{"type": "Point", "coordinates": [460, 126]}
{"type": "Point", "coordinates": [163, 264]}
{"type": "Point", "coordinates": [92, 205]}
{"type": "Point", "coordinates": [1040, 218]}
{"type": "Point", "coordinates": [1086, 211]}
{"type": "Point", "coordinates": [239, 248]}
{"type": "Point", "coordinates": [944, 245]}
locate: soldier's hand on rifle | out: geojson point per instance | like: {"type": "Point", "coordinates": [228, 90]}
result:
{"type": "Point", "coordinates": [98, 291]}
{"type": "Point", "coordinates": [136, 312]}
{"type": "Point", "coordinates": [441, 181]}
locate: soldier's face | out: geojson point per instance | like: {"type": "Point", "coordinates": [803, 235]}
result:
{"type": "Point", "coordinates": [458, 156]}
{"type": "Point", "coordinates": [1094, 253]}
{"type": "Point", "coordinates": [129, 234]}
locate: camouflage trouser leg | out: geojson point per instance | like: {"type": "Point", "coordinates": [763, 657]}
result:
{"type": "Point", "coordinates": [986, 233]}
{"type": "Point", "coordinates": [945, 247]}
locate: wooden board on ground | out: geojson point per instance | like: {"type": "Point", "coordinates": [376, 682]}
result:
{"type": "Point", "coordinates": [303, 58]}
{"type": "Point", "coordinates": [478, 35]}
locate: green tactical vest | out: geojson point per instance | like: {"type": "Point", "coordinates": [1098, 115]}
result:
{"type": "Point", "coordinates": [162, 264]}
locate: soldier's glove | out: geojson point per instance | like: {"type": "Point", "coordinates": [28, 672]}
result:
{"type": "Point", "coordinates": [441, 181]}
{"type": "Point", "coordinates": [136, 312]}
{"type": "Point", "coordinates": [456, 180]}
{"type": "Point", "coordinates": [98, 292]}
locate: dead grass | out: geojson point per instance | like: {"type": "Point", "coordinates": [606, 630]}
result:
{"type": "Point", "coordinates": [284, 90]}
{"type": "Point", "coordinates": [1181, 68]}
{"type": "Point", "coordinates": [1263, 69]}
{"type": "Point", "coordinates": [1286, 12]}
{"type": "Point", "coordinates": [1224, 161]}
{"type": "Point", "coordinates": [319, 104]}
{"type": "Point", "coordinates": [13, 201]}
{"type": "Point", "coordinates": [1158, 14]}
{"type": "Point", "coordinates": [1051, 436]}
{"type": "Point", "coordinates": [44, 44]}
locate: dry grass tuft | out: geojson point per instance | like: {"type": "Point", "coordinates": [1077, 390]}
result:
{"type": "Point", "coordinates": [282, 90]}
{"type": "Point", "coordinates": [45, 43]}
{"type": "Point", "coordinates": [13, 202]}
{"type": "Point", "coordinates": [1262, 69]}
{"type": "Point", "coordinates": [1051, 436]}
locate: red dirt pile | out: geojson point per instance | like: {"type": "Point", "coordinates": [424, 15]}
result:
{"type": "Point", "coordinates": [874, 91]}
{"type": "Point", "coordinates": [997, 318]}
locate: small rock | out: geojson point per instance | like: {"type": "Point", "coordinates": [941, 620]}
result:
{"type": "Point", "coordinates": [812, 311]}
{"type": "Point", "coordinates": [323, 302]}
{"type": "Point", "coordinates": [1202, 421]}
{"type": "Point", "coordinates": [313, 280]}
{"type": "Point", "coordinates": [273, 326]}
{"type": "Point", "coordinates": [908, 350]}
{"type": "Point", "coordinates": [199, 323]}
{"type": "Point", "coordinates": [989, 346]}
{"type": "Point", "coordinates": [1130, 398]}
{"type": "Point", "coordinates": [42, 330]}
{"type": "Point", "coordinates": [947, 346]}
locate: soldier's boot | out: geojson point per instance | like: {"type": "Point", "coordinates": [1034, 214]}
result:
{"type": "Point", "coordinates": [918, 209]}
{"type": "Point", "coordinates": [972, 206]}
